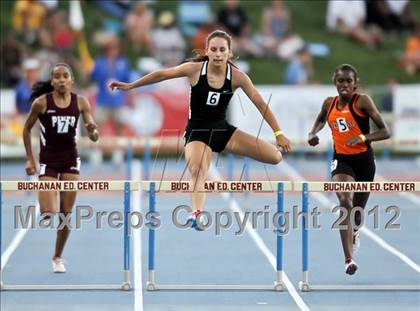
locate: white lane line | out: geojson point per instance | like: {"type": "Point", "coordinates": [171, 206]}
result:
{"type": "Point", "coordinates": [137, 264]}
{"type": "Point", "coordinates": [408, 195]}
{"type": "Point", "coordinates": [390, 249]}
{"type": "Point", "coordinates": [17, 240]}
{"type": "Point", "coordinates": [295, 176]}
{"type": "Point", "coordinates": [259, 242]}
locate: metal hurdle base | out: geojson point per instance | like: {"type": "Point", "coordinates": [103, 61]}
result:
{"type": "Point", "coordinates": [215, 287]}
{"type": "Point", "coordinates": [125, 286]}
{"type": "Point", "coordinates": [151, 285]}
{"type": "Point", "coordinates": [306, 287]}
{"type": "Point", "coordinates": [61, 287]}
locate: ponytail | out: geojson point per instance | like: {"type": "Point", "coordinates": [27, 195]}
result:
{"type": "Point", "coordinates": [40, 88]}
{"type": "Point", "coordinates": [200, 56]}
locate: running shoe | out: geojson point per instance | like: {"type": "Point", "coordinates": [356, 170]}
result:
{"type": "Point", "coordinates": [192, 220]}
{"type": "Point", "coordinates": [58, 265]}
{"type": "Point", "coordinates": [350, 267]}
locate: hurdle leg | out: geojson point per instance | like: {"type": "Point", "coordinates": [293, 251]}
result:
{"type": "Point", "coordinates": [147, 158]}
{"type": "Point", "coordinates": [126, 274]}
{"type": "Point", "coordinates": [151, 282]}
{"type": "Point", "coordinates": [278, 284]}
{"type": "Point", "coordinates": [1, 226]}
{"type": "Point", "coordinates": [230, 166]}
{"type": "Point", "coordinates": [304, 284]}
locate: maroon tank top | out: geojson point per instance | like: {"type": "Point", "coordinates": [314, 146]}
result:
{"type": "Point", "coordinates": [58, 131]}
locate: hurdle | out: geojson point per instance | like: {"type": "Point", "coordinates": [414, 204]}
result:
{"type": "Point", "coordinates": [125, 186]}
{"type": "Point", "coordinates": [152, 187]}
{"type": "Point", "coordinates": [306, 188]}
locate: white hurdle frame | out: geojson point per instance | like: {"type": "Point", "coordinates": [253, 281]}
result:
{"type": "Point", "coordinates": [305, 188]}
{"type": "Point", "coordinates": [218, 186]}
{"type": "Point", "coordinates": [125, 186]}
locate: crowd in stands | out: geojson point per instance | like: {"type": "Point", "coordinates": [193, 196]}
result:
{"type": "Point", "coordinates": [41, 35]}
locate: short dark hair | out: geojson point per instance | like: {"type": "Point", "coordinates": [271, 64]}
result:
{"type": "Point", "coordinates": [346, 67]}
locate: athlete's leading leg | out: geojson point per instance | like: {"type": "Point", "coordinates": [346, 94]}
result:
{"type": "Point", "coordinates": [47, 199]}
{"type": "Point", "coordinates": [244, 144]}
{"type": "Point", "coordinates": [67, 199]}
{"type": "Point", "coordinates": [346, 202]}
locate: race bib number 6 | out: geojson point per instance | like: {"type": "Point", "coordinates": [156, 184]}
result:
{"type": "Point", "coordinates": [213, 98]}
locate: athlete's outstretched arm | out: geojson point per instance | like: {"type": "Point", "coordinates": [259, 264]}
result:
{"type": "Point", "coordinates": [90, 124]}
{"type": "Point", "coordinates": [368, 107]}
{"type": "Point", "coordinates": [183, 70]}
{"type": "Point", "coordinates": [245, 83]}
{"type": "Point", "coordinates": [319, 123]}
{"type": "Point", "coordinates": [38, 107]}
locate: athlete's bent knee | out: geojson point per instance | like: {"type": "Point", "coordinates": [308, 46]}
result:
{"type": "Point", "coordinates": [345, 201]}
{"type": "Point", "coordinates": [275, 158]}
{"type": "Point", "coordinates": [197, 171]}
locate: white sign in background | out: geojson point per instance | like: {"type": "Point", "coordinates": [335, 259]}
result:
{"type": "Point", "coordinates": [406, 101]}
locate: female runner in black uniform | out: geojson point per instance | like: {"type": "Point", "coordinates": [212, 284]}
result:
{"type": "Point", "coordinates": [213, 81]}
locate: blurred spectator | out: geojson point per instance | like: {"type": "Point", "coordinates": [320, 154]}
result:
{"type": "Point", "coordinates": [146, 65]}
{"type": "Point", "coordinates": [348, 18]}
{"type": "Point", "coordinates": [109, 104]}
{"type": "Point", "coordinates": [28, 18]}
{"type": "Point", "coordinates": [390, 15]}
{"type": "Point", "coordinates": [299, 68]}
{"type": "Point", "coordinates": [277, 39]}
{"type": "Point", "coordinates": [47, 58]}
{"type": "Point", "coordinates": [51, 5]}
{"type": "Point", "coordinates": [402, 15]}
{"type": "Point", "coordinates": [139, 25]}
{"type": "Point", "coordinates": [11, 59]}
{"type": "Point", "coordinates": [23, 89]}
{"type": "Point", "coordinates": [115, 8]}
{"type": "Point", "coordinates": [199, 39]}
{"type": "Point", "coordinates": [192, 15]}
{"type": "Point", "coordinates": [275, 25]}
{"type": "Point", "coordinates": [57, 34]}
{"type": "Point", "coordinates": [234, 19]}
{"type": "Point", "coordinates": [377, 13]}
{"type": "Point", "coordinates": [387, 99]}
{"type": "Point", "coordinates": [110, 66]}
{"type": "Point", "coordinates": [411, 58]}
{"type": "Point", "coordinates": [167, 41]}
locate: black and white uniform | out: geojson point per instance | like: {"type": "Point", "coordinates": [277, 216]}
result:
{"type": "Point", "coordinates": [207, 117]}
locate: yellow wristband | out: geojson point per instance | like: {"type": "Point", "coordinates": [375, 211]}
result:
{"type": "Point", "coordinates": [363, 137]}
{"type": "Point", "coordinates": [278, 133]}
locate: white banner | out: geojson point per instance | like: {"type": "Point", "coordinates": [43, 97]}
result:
{"type": "Point", "coordinates": [406, 108]}
{"type": "Point", "coordinates": [406, 100]}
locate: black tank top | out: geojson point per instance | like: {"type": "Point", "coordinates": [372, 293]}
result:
{"type": "Point", "coordinates": [207, 103]}
{"type": "Point", "coordinates": [58, 129]}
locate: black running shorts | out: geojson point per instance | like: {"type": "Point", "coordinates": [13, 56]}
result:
{"type": "Point", "coordinates": [360, 166]}
{"type": "Point", "coordinates": [215, 134]}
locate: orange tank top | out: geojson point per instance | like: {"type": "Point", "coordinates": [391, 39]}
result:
{"type": "Point", "coordinates": [346, 122]}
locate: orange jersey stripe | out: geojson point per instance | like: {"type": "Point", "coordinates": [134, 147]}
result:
{"type": "Point", "coordinates": [343, 125]}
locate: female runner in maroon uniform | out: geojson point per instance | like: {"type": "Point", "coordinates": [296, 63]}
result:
{"type": "Point", "coordinates": [58, 110]}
